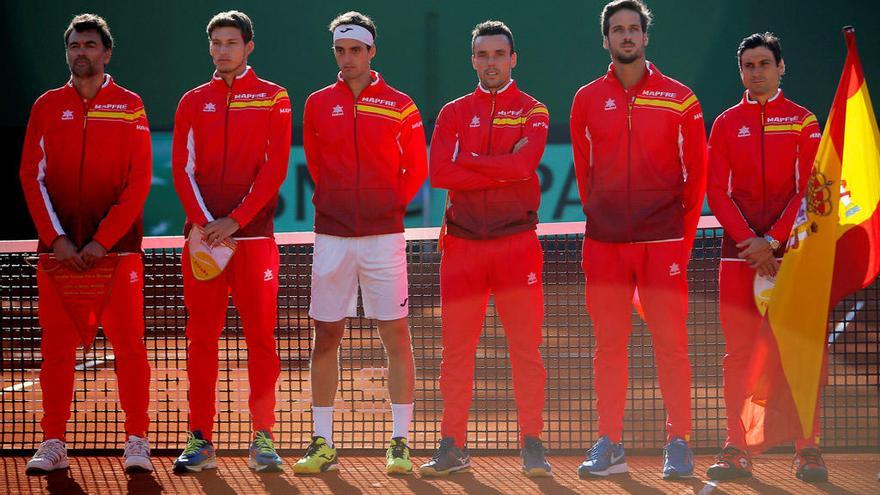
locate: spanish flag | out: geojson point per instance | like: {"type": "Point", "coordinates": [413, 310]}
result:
{"type": "Point", "coordinates": [833, 251]}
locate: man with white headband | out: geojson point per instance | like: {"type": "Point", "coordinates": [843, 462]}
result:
{"type": "Point", "coordinates": [365, 150]}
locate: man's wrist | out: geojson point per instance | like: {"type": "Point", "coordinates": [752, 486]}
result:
{"type": "Point", "coordinates": [774, 244]}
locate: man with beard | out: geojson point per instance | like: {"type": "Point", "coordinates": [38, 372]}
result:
{"type": "Point", "coordinates": [365, 150]}
{"type": "Point", "coordinates": [230, 152]}
{"type": "Point", "coordinates": [640, 157]}
{"type": "Point", "coordinates": [85, 171]}
{"type": "Point", "coordinates": [486, 149]}
{"type": "Point", "coordinates": [761, 152]}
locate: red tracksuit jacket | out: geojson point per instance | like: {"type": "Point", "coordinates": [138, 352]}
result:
{"type": "Point", "coordinates": [230, 152]}
{"type": "Point", "coordinates": [640, 158]}
{"type": "Point", "coordinates": [86, 167]}
{"type": "Point", "coordinates": [760, 157]}
{"type": "Point", "coordinates": [493, 191]}
{"type": "Point", "coordinates": [367, 157]}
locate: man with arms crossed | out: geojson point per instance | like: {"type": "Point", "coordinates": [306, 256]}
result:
{"type": "Point", "coordinates": [230, 152]}
{"type": "Point", "coordinates": [85, 171]}
{"type": "Point", "coordinates": [365, 150]}
{"type": "Point", "coordinates": [761, 152]}
{"type": "Point", "coordinates": [640, 157]}
{"type": "Point", "coordinates": [485, 151]}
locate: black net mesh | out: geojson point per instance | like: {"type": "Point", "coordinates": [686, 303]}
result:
{"type": "Point", "coordinates": [850, 416]}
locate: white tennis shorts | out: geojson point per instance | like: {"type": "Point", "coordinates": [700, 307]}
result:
{"type": "Point", "coordinates": [376, 263]}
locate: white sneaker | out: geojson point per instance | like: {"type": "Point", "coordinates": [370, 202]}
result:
{"type": "Point", "coordinates": [137, 455]}
{"type": "Point", "coordinates": [51, 455]}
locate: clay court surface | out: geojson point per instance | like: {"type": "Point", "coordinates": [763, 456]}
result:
{"type": "Point", "coordinates": [361, 474]}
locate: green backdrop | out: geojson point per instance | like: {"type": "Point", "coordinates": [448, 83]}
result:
{"type": "Point", "coordinates": [424, 49]}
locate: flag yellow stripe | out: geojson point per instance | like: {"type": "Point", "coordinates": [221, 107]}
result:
{"type": "Point", "coordinates": [861, 154]}
{"type": "Point", "coordinates": [379, 111]}
{"type": "Point", "coordinates": [516, 121]}
{"type": "Point", "coordinates": [408, 111]}
{"type": "Point", "coordinates": [252, 104]}
{"type": "Point", "coordinates": [541, 109]}
{"type": "Point", "coordinates": [679, 107]}
{"type": "Point", "coordinates": [127, 116]}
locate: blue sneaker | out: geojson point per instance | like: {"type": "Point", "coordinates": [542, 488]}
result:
{"type": "Point", "coordinates": [262, 455]}
{"type": "Point", "coordinates": [678, 460]}
{"type": "Point", "coordinates": [198, 455]}
{"type": "Point", "coordinates": [534, 459]}
{"type": "Point", "coordinates": [604, 458]}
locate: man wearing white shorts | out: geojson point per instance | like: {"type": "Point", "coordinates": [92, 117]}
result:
{"type": "Point", "coordinates": [365, 150]}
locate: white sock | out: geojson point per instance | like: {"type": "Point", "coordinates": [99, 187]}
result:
{"type": "Point", "coordinates": [402, 415]}
{"type": "Point", "coordinates": [322, 420]}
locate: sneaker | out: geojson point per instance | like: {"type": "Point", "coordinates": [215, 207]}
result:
{"type": "Point", "coordinates": [397, 459]}
{"type": "Point", "coordinates": [604, 458]}
{"type": "Point", "coordinates": [51, 455]}
{"type": "Point", "coordinates": [809, 466]}
{"type": "Point", "coordinates": [319, 458]}
{"type": "Point", "coordinates": [678, 460]}
{"type": "Point", "coordinates": [137, 455]}
{"type": "Point", "coordinates": [447, 459]}
{"type": "Point", "coordinates": [534, 461]}
{"type": "Point", "coordinates": [262, 455]}
{"type": "Point", "coordinates": [198, 455]}
{"type": "Point", "coordinates": [730, 464]}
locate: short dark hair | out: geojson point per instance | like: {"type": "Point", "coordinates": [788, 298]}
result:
{"type": "Point", "coordinates": [768, 39]}
{"type": "Point", "coordinates": [233, 18]}
{"type": "Point", "coordinates": [356, 18]}
{"type": "Point", "coordinates": [489, 28]}
{"type": "Point", "coordinates": [637, 6]}
{"type": "Point", "coordinates": [89, 22]}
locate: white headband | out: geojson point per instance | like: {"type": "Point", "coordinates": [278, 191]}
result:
{"type": "Point", "coordinates": [353, 32]}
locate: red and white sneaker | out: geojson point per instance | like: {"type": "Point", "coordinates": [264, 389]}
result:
{"type": "Point", "coordinates": [730, 464]}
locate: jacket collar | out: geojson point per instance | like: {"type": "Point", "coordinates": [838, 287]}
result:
{"type": "Point", "coordinates": [774, 101]}
{"type": "Point", "coordinates": [108, 82]}
{"type": "Point", "coordinates": [651, 75]}
{"type": "Point", "coordinates": [246, 78]}
{"type": "Point", "coordinates": [505, 92]}
{"type": "Point", "coordinates": [376, 82]}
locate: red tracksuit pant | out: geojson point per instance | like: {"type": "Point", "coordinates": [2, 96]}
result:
{"type": "Point", "coordinates": [252, 278]}
{"type": "Point", "coordinates": [510, 268]}
{"type": "Point", "coordinates": [740, 322]}
{"type": "Point", "coordinates": [123, 324]}
{"type": "Point", "coordinates": [613, 270]}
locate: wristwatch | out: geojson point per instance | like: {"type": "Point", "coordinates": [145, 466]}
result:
{"type": "Point", "coordinates": [774, 244]}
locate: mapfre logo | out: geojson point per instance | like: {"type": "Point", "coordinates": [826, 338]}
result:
{"type": "Point", "coordinates": [111, 106]}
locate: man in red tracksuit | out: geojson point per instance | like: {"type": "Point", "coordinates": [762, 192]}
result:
{"type": "Point", "coordinates": [485, 151]}
{"type": "Point", "coordinates": [230, 152]}
{"type": "Point", "coordinates": [760, 155]}
{"type": "Point", "coordinates": [640, 157]}
{"type": "Point", "coordinates": [365, 150]}
{"type": "Point", "coordinates": [85, 171]}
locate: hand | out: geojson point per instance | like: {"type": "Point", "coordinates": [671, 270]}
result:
{"type": "Point", "coordinates": [65, 253]}
{"type": "Point", "coordinates": [219, 230]}
{"type": "Point", "coordinates": [769, 268]}
{"type": "Point", "coordinates": [520, 144]}
{"type": "Point", "coordinates": [92, 253]}
{"type": "Point", "coordinates": [755, 250]}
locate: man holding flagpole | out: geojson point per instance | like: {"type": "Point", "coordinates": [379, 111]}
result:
{"type": "Point", "coordinates": [761, 151]}
{"type": "Point", "coordinates": [833, 251]}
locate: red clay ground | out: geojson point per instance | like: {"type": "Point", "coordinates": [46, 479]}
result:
{"type": "Point", "coordinates": [850, 474]}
